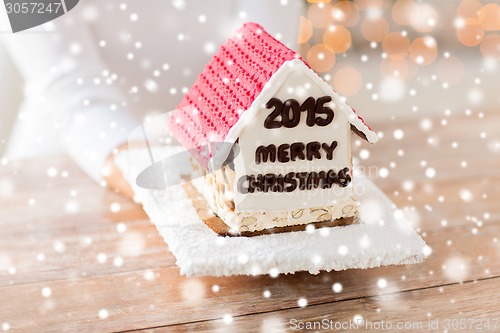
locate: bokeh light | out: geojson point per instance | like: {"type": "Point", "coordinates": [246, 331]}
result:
{"type": "Point", "coordinates": [470, 33]}
{"type": "Point", "coordinates": [400, 37]}
{"type": "Point", "coordinates": [371, 4]}
{"type": "Point", "coordinates": [489, 17]}
{"type": "Point", "coordinates": [337, 39]}
{"type": "Point", "coordinates": [490, 47]}
{"type": "Point", "coordinates": [319, 1]}
{"type": "Point", "coordinates": [305, 30]}
{"type": "Point", "coordinates": [423, 50]}
{"type": "Point", "coordinates": [447, 18]}
{"type": "Point", "coordinates": [396, 45]}
{"type": "Point", "coordinates": [392, 89]}
{"type": "Point", "coordinates": [345, 13]}
{"type": "Point", "coordinates": [347, 81]}
{"type": "Point", "coordinates": [320, 58]}
{"type": "Point", "coordinates": [375, 29]}
{"type": "Point", "coordinates": [401, 11]}
{"type": "Point", "coordinates": [397, 68]}
{"type": "Point", "coordinates": [319, 14]}
{"type": "Point", "coordinates": [468, 9]}
{"type": "Point", "coordinates": [423, 18]}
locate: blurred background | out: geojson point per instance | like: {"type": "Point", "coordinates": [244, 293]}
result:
{"type": "Point", "coordinates": [406, 59]}
{"type": "Point", "coordinates": [392, 60]}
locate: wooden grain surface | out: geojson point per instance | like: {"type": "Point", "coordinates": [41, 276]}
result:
{"type": "Point", "coordinates": [75, 257]}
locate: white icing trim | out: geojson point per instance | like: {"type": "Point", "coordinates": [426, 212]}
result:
{"type": "Point", "coordinates": [269, 89]}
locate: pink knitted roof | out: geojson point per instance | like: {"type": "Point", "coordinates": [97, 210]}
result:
{"type": "Point", "coordinates": [226, 88]}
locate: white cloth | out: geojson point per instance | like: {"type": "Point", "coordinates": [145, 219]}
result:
{"type": "Point", "coordinates": [93, 73]}
{"type": "Point", "coordinates": [382, 237]}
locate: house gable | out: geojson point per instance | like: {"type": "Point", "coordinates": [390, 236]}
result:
{"type": "Point", "coordinates": [304, 147]}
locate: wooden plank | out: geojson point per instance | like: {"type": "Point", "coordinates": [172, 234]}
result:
{"type": "Point", "coordinates": [441, 193]}
{"type": "Point", "coordinates": [32, 201]}
{"type": "Point", "coordinates": [60, 210]}
{"type": "Point", "coordinates": [467, 307]}
{"type": "Point", "coordinates": [158, 297]}
{"type": "Point", "coordinates": [468, 203]}
{"type": "Point", "coordinates": [81, 252]}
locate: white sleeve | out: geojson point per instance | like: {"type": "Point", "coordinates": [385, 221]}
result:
{"type": "Point", "coordinates": [62, 67]}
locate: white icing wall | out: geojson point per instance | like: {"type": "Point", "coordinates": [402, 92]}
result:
{"type": "Point", "coordinates": [293, 83]}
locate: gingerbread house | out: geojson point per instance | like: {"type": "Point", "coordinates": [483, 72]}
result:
{"type": "Point", "coordinates": [270, 139]}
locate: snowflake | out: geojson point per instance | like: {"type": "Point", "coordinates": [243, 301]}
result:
{"type": "Point", "coordinates": [382, 283]}
{"type": "Point", "coordinates": [337, 287]}
{"type": "Point", "coordinates": [430, 172]}
{"type": "Point", "coordinates": [46, 292]}
{"type": "Point", "coordinates": [302, 302]}
{"type": "Point", "coordinates": [118, 261]}
{"type": "Point", "coordinates": [121, 227]}
{"type": "Point", "coordinates": [115, 207]}
{"type": "Point", "coordinates": [101, 258]}
{"type": "Point", "coordinates": [192, 290]}
{"type": "Point", "coordinates": [227, 319]}
{"type": "Point", "coordinates": [274, 272]}
{"type": "Point", "coordinates": [456, 268]}
{"type": "Point", "coordinates": [59, 246]}
{"type": "Point", "coordinates": [149, 275]}
{"type": "Point", "coordinates": [103, 314]}
{"type": "Point", "coordinates": [52, 172]}
{"type": "Point", "coordinates": [343, 250]}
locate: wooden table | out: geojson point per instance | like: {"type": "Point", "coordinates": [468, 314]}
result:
{"type": "Point", "coordinates": [75, 257]}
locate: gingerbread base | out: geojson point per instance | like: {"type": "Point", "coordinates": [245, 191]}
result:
{"type": "Point", "coordinates": [218, 226]}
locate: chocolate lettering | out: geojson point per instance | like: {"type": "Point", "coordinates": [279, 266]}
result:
{"type": "Point", "coordinates": [312, 150]}
{"type": "Point", "coordinates": [288, 113]}
{"type": "Point", "coordinates": [323, 180]}
{"type": "Point", "coordinates": [283, 153]}
{"type": "Point", "coordinates": [271, 121]}
{"type": "Point", "coordinates": [292, 181]}
{"type": "Point", "coordinates": [329, 149]}
{"type": "Point", "coordinates": [312, 180]}
{"type": "Point", "coordinates": [332, 177]}
{"type": "Point", "coordinates": [297, 151]}
{"type": "Point", "coordinates": [241, 185]}
{"type": "Point", "coordinates": [301, 176]}
{"type": "Point", "coordinates": [344, 177]}
{"type": "Point", "coordinates": [279, 184]}
{"type": "Point", "coordinates": [263, 154]}
{"type": "Point", "coordinates": [309, 105]}
{"type": "Point", "coordinates": [290, 121]}
{"type": "Point", "coordinates": [255, 183]}
{"type": "Point", "coordinates": [322, 109]}
{"type": "Point", "coordinates": [268, 181]}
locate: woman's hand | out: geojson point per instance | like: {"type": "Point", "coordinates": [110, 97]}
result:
{"type": "Point", "coordinates": [114, 177]}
